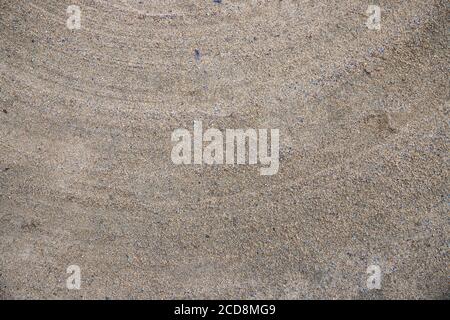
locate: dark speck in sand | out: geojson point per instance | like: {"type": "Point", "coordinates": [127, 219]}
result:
{"type": "Point", "coordinates": [197, 54]}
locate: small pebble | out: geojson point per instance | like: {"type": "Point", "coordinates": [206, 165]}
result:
{"type": "Point", "coordinates": [197, 54]}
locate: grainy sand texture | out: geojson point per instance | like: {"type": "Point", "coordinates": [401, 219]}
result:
{"type": "Point", "coordinates": [87, 179]}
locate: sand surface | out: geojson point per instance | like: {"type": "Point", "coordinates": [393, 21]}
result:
{"type": "Point", "coordinates": [86, 176]}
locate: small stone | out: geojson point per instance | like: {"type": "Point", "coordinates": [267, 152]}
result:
{"type": "Point", "coordinates": [197, 54]}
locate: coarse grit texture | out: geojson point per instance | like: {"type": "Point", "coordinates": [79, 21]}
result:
{"type": "Point", "coordinates": [86, 176]}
